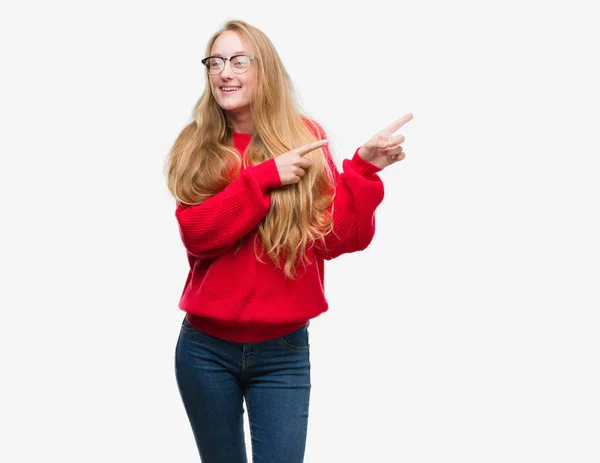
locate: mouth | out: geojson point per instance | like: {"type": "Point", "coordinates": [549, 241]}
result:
{"type": "Point", "coordinates": [231, 89]}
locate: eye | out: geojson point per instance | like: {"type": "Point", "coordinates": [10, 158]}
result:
{"type": "Point", "coordinates": [214, 63]}
{"type": "Point", "coordinates": [240, 61]}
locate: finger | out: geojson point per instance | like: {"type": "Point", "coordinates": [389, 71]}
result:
{"type": "Point", "coordinates": [395, 141]}
{"type": "Point", "coordinates": [305, 163]}
{"type": "Point", "coordinates": [299, 172]}
{"type": "Point", "coordinates": [304, 150]}
{"type": "Point", "coordinates": [397, 157]}
{"type": "Point", "coordinates": [389, 130]}
{"type": "Point", "coordinates": [394, 151]}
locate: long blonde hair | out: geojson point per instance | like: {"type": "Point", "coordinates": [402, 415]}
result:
{"type": "Point", "coordinates": [203, 160]}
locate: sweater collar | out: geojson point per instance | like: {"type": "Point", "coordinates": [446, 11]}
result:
{"type": "Point", "coordinates": [242, 136]}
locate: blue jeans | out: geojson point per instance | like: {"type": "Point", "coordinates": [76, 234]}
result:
{"type": "Point", "coordinates": [214, 376]}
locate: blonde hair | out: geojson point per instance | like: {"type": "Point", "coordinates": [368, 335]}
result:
{"type": "Point", "coordinates": [203, 160]}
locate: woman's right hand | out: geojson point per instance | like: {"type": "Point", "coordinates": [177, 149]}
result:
{"type": "Point", "coordinates": [292, 165]}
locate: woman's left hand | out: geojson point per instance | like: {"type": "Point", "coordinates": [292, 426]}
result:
{"type": "Point", "coordinates": [384, 149]}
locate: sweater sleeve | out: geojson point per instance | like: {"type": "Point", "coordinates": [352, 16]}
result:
{"type": "Point", "coordinates": [358, 192]}
{"type": "Point", "coordinates": [209, 228]}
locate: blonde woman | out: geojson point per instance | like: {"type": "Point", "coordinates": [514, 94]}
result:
{"type": "Point", "coordinates": [260, 206]}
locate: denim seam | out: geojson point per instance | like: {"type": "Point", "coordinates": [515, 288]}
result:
{"type": "Point", "coordinates": [250, 427]}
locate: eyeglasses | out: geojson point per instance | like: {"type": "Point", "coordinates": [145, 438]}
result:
{"type": "Point", "coordinates": [239, 64]}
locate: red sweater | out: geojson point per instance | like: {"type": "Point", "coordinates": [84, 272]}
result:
{"type": "Point", "coordinates": [238, 298]}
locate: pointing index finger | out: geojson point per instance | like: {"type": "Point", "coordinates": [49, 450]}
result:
{"type": "Point", "coordinates": [388, 131]}
{"type": "Point", "coordinates": [304, 150]}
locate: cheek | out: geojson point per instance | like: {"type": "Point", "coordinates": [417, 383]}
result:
{"type": "Point", "coordinates": [249, 79]}
{"type": "Point", "coordinates": [214, 88]}
{"type": "Point", "coordinates": [250, 86]}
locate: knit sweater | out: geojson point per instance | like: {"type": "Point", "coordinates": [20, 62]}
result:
{"type": "Point", "coordinates": [235, 296]}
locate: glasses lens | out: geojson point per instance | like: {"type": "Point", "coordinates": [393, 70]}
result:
{"type": "Point", "coordinates": [240, 63]}
{"type": "Point", "coordinates": [214, 65]}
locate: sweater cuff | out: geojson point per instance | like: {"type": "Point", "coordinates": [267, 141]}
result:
{"type": "Point", "coordinates": [363, 167]}
{"type": "Point", "coordinates": [266, 174]}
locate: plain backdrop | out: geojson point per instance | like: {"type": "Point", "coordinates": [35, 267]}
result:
{"type": "Point", "coordinates": [466, 332]}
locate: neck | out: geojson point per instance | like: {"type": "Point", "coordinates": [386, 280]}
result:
{"type": "Point", "coordinates": [242, 123]}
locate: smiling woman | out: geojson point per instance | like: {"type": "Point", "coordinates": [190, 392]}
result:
{"type": "Point", "coordinates": [238, 78]}
{"type": "Point", "coordinates": [260, 205]}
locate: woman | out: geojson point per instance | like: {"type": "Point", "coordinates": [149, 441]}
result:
{"type": "Point", "coordinates": [260, 206]}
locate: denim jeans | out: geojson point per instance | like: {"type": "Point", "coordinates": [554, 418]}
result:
{"type": "Point", "coordinates": [214, 376]}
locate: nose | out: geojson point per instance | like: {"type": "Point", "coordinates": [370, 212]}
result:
{"type": "Point", "coordinates": [226, 72]}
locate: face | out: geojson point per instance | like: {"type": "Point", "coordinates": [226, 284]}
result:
{"type": "Point", "coordinates": [235, 100]}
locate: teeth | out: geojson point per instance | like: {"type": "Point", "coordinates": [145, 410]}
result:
{"type": "Point", "coordinates": [228, 89]}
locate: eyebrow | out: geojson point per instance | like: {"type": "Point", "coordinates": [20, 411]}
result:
{"type": "Point", "coordinates": [239, 52]}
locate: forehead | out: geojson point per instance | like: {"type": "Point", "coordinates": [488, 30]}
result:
{"type": "Point", "coordinates": [229, 43]}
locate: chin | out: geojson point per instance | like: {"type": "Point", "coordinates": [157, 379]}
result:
{"type": "Point", "coordinates": [233, 107]}
{"type": "Point", "coordinates": [228, 107]}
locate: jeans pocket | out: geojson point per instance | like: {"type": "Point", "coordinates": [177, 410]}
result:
{"type": "Point", "coordinates": [298, 339]}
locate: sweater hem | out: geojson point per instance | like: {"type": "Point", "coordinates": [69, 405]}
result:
{"type": "Point", "coordinates": [241, 332]}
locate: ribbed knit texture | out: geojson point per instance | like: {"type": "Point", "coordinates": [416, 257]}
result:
{"type": "Point", "coordinates": [235, 296]}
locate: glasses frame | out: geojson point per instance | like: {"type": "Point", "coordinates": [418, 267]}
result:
{"type": "Point", "coordinates": [251, 58]}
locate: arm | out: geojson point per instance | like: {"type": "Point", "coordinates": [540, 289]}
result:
{"type": "Point", "coordinates": [209, 228]}
{"type": "Point", "coordinates": [358, 192]}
